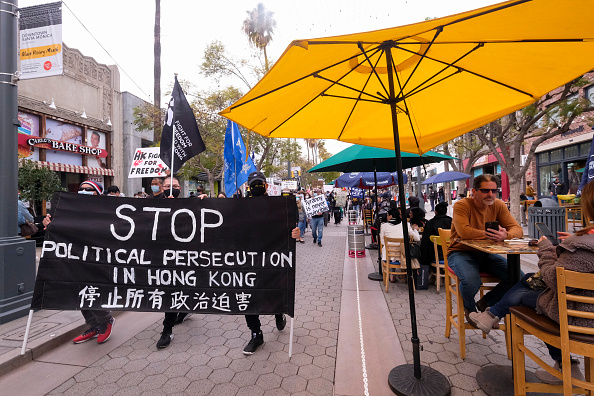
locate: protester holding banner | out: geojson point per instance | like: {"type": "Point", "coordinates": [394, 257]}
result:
{"type": "Point", "coordinates": [301, 221]}
{"type": "Point", "coordinates": [100, 322]}
{"type": "Point", "coordinates": [258, 186]}
{"type": "Point", "coordinates": [171, 318]}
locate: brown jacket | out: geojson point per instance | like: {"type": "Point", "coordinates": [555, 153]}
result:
{"type": "Point", "coordinates": [576, 253]}
{"type": "Point", "coordinates": [468, 222]}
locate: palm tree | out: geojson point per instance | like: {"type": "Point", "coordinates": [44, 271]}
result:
{"type": "Point", "coordinates": [259, 27]}
{"type": "Point", "coordinates": [157, 63]}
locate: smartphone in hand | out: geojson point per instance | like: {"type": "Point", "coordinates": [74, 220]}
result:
{"type": "Point", "coordinates": [544, 230]}
{"type": "Point", "coordinates": [492, 225]}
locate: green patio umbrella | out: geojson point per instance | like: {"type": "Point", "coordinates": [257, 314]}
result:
{"type": "Point", "coordinates": [358, 158]}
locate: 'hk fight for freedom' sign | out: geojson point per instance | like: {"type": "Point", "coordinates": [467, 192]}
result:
{"type": "Point", "coordinates": [186, 255]}
{"type": "Point", "coordinates": [315, 205]}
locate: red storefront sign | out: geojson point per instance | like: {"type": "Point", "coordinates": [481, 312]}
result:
{"type": "Point", "coordinates": [29, 140]}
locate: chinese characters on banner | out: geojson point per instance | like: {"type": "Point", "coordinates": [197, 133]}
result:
{"type": "Point", "coordinates": [203, 256]}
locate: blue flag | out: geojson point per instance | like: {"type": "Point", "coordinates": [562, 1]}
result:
{"type": "Point", "coordinates": [237, 167]}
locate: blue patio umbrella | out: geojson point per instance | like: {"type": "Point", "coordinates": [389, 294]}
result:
{"type": "Point", "coordinates": [366, 180]}
{"type": "Point", "coordinates": [445, 177]}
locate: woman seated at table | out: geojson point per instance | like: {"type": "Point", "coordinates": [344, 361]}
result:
{"type": "Point", "coordinates": [539, 290]}
{"type": "Point", "coordinates": [393, 229]}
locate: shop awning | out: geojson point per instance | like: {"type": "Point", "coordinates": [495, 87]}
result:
{"type": "Point", "coordinates": [75, 168]}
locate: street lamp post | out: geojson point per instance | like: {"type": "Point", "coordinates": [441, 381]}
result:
{"type": "Point", "coordinates": [17, 255]}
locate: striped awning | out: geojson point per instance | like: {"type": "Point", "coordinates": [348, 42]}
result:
{"type": "Point", "coordinates": [75, 168]}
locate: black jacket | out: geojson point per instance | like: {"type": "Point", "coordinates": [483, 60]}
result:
{"type": "Point", "coordinates": [431, 228]}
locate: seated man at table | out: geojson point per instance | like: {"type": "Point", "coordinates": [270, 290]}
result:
{"type": "Point", "coordinates": [470, 216]}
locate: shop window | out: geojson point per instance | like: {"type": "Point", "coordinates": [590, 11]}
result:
{"type": "Point", "coordinates": [478, 172]}
{"type": "Point", "coordinates": [556, 155]}
{"type": "Point", "coordinates": [585, 148]}
{"type": "Point", "coordinates": [543, 158]}
{"type": "Point", "coordinates": [546, 176]}
{"type": "Point", "coordinates": [498, 171]}
{"type": "Point", "coordinates": [571, 151]}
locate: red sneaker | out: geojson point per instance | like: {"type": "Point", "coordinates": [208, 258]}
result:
{"type": "Point", "coordinates": [104, 335]}
{"type": "Point", "coordinates": [86, 336]}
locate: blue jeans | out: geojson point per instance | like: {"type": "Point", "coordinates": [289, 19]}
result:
{"type": "Point", "coordinates": [468, 265]}
{"type": "Point", "coordinates": [317, 228]}
{"type": "Point", "coordinates": [301, 226]}
{"type": "Point", "coordinates": [522, 294]}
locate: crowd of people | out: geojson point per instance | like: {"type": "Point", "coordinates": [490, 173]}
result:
{"type": "Point", "coordinates": [470, 214]}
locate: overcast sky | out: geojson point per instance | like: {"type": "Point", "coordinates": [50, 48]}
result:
{"type": "Point", "coordinates": [125, 29]}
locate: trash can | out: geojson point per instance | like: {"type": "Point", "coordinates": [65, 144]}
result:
{"type": "Point", "coordinates": [356, 240]}
{"type": "Point", "coordinates": [552, 216]}
{"type": "Point", "coordinates": [352, 216]}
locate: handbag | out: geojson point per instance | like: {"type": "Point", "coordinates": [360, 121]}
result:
{"type": "Point", "coordinates": [28, 229]}
{"type": "Point", "coordinates": [415, 250]}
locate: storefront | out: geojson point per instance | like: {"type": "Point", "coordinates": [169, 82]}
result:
{"type": "Point", "coordinates": [565, 159]}
{"type": "Point", "coordinates": [75, 151]}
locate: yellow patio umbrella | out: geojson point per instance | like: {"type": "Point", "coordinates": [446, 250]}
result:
{"type": "Point", "coordinates": [413, 87]}
{"type": "Point", "coordinates": [453, 74]}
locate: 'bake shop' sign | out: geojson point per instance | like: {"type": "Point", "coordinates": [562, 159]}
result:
{"type": "Point", "coordinates": [59, 145]}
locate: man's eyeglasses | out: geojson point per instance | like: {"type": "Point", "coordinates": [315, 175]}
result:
{"type": "Point", "coordinates": [486, 190]}
{"type": "Point", "coordinates": [91, 189]}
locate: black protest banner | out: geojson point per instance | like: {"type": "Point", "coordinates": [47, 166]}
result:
{"type": "Point", "coordinates": [222, 256]}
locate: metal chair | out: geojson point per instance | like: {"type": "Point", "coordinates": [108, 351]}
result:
{"type": "Point", "coordinates": [569, 338]}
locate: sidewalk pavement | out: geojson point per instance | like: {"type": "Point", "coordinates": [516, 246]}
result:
{"type": "Point", "coordinates": [348, 334]}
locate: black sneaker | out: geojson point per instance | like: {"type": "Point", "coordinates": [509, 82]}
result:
{"type": "Point", "coordinates": [281, 321]}
{"type": "Point", "coordinates": [165, 340]}
{"type": "Point", "coordinates": [255, 342]}
{"type": "Point", "coordinates": [320, 244]}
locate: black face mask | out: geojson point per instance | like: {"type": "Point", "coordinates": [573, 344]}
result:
{"type": "Point", "coordinates": [258, 191]}
{"type": "Point", "coordinates": [176, 192]}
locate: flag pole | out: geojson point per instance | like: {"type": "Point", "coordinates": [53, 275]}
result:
{"type": "Point", "coordinates": [172, 150]}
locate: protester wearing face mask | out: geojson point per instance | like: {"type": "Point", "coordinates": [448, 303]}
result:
{"type": "Point", "coordinates": [171, 187]}
{"type": "Point", "coordinates": [156, 188]}
{"type": "Point", "coordinates": [258, 186]}
{"type": "Point", "coordinates": [100, 322]}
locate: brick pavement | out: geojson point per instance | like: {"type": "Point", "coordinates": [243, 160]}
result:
{"type": "Point", "coordinates": [206, 357]}
{"type": "Point", "coordinates": [442, 353]}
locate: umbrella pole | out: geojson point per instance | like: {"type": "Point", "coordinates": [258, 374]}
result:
{"type": "Point", "coordinates": [377, 276]}
{"type": "Point", "coordinates": [406, 379]}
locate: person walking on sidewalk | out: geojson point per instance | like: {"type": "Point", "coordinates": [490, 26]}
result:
{"type": "Point", "coordinates": [258, 186]}
{"type": "Point", "coordinates": [171, 189]}
{"type": "Point", "coordinates": [317, 226]}
{"type": "Point", "coordinates": [432, 197]}
{"type": "Point", "coordinates": [100, 323]}
{"type": "Point", "coordinates": [556, 188]}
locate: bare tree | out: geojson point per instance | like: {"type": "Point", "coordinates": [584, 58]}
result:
{"type": "Point", "coordinates": [550, 116]}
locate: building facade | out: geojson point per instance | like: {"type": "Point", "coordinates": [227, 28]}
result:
{"type": "Point", "coordinates": [72, 123]}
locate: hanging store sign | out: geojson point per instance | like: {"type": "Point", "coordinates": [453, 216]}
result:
{"type": "Point", "coordinates": [47, 143]}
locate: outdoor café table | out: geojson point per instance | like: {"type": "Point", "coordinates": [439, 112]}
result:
{"type": "Point", "coordinates": [497, 380]}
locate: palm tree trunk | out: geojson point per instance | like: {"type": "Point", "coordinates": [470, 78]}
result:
{"type": "Point", "coordinates": [157, 64]}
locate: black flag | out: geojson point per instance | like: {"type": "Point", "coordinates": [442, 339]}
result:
{"type": "Point", "coordinates": [181, 121]}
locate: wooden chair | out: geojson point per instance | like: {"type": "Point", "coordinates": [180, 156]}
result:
{"type": "Point", "coordinates": [452, 286]}
{"type": "Point", "coordinates": [392, 263]}
{"type": "Point", "coordinates": [367, 218]}
{"type": "Point", "coordinates": [438, 264]}
{"type": "Point", "coordinates": [570, 339]}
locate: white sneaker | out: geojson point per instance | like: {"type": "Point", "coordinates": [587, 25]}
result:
{"type": "Point", "coordinates": [550, 379]}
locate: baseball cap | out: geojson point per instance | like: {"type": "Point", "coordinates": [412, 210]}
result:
{"type": "Point", "coordinates": [256, 176]}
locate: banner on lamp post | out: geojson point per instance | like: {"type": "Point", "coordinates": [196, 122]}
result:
{"type": "Point", "coordinates": [40, 41]}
